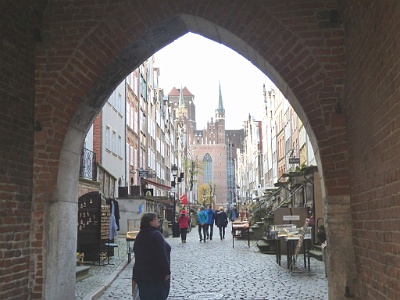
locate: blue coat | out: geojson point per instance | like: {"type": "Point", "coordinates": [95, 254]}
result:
{"type": "Point", "coordinates": [211, 216]}
{"type": "Point", "coordinates": [234, 214]}
{"type": "Point", "coordinates": [202, 216]}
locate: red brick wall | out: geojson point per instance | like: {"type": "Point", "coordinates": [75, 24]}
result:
{"type": "Point", "coordinates": [373, 110]}
{"type": "Point", "coordinates": [85, 49]}
{"type": "Point", "coordinates": [218, 155]}
{"type": "Point", "coordinates": [97, 137]}
{"type": "Point", "coordinates": [17, 94]}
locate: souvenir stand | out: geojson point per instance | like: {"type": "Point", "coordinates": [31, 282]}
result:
{"type": "Point", "coordinates": [93, 227]}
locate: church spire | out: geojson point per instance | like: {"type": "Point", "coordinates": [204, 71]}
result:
{"type": "Point", "coordinates": [181, 100]}
{"type": "Point", "coordinates": [182, 112]}
{"type": "Point", "coordinates": [220, 111]}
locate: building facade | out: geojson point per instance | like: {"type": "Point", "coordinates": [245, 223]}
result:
{"type": "Point", "coordinates": [215, 148]}
{"type": "Point", "coordinates": [272, 147]}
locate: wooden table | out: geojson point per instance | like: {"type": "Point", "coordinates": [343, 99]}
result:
{"type": "Point", "coordinates": [129, 248]}
{"type": "Point", "coordinates": [291, 243]}
{"type": "Point", "coordinates": [240, 229]}
{"type": "Point", "coordinates": [278, 249]}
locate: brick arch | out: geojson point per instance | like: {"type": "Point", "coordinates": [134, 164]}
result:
{"type": "Point", "coordinates": [87, 50]}
{"type": "Point", "coordinates": [296, 56]}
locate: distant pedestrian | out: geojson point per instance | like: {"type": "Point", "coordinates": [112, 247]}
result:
{"type": "Point", "coordinates": [244, 214]}
{"type": "Point", "coordinates": [202, 218]}
{"type": "Point", "coordinates": [183, 221]}
{"type": "Point", "coordinates": [311, 221]}
{"type": "Point", "coordinates": [210, 222]}
{"type": "Point", "coordinates": [234, 213]}
{"type": "Point", "coordinates": [221, 220]}
{"type": "Point", "coordinates": [151, 270]}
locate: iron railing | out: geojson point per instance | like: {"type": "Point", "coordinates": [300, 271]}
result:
{"type": "Point", "coordinates": [88, 167]}
{"type": "Point", "coordinates": [277, 204]}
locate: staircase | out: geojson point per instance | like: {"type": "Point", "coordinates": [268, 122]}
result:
{"type": "Point", "coordinates": [257, 231]}
{"type": "Point", "coordinates": [82, 272]}
{"type": "Point", "coordinates": [267, 246]}
{"type": "Point", "coordinates": [316, 252]}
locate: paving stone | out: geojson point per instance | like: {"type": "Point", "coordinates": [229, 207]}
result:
{"type": "Point", "coordinates": [215, 268]}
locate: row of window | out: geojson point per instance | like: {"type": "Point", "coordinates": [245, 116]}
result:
{"type": "Point", "coordinates": [113, 141]}
{"type": "Point", "coordinates": [116, 101]}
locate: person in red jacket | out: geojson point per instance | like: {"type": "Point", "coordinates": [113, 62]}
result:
{"type": "Point", "coordinates": [183, 221]}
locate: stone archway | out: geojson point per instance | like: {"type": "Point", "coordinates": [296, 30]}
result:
{"type": "Point", "coordinates": [80, 62]}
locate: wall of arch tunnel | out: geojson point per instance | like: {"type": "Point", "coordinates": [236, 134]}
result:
{"type": "Point", "coordinates": [335, 61]}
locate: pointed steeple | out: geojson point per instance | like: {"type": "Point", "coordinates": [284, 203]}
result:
{"type": "Point", "coordinates": [220, 111]}
{"type": "Point", "coordinates": [182, 113]}
{"type": "Point", "coordinates": [181, 100]}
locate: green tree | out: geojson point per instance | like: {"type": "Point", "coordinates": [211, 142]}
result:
{"type": "Point", "coordinates": [204, 194]}
{"type": "Point", "coordinates": [192, 168]}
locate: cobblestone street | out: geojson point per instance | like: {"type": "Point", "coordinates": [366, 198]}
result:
{"type": "Point", "coordinates": [216, 270]}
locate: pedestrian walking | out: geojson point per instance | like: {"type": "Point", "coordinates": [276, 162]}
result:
{"type": "Point", "coordinates": [202, 218]}
{"type": "Point", "coordinates": [221, 220]}
{"type": "Point", "coordinates": [151, 270]}
{"type": "Point", "coordinates": [183, 221]}
{"type": "Point", "coordinates": [210, 222]}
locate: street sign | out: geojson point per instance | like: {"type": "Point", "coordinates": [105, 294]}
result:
{"type": "Point", "coordinates": [143, 173]}
{"type": "Point", "coordinates": [294, 160]}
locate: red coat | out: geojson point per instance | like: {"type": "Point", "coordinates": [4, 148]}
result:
{"type": "Point", "coordinates": [183, 221]}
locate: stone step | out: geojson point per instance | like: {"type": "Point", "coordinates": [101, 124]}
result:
{"type": "Point", "coordinates": [317, 254]}
{"type": "Point", "coordinates": [317, 247]}
{"type": "Point", "coordinates": [82, 272]}
{"type": "Point", "coordinates": [265, 247]}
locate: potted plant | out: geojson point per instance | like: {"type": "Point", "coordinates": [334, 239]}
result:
{"type": "Point", "coordinates": [321, 234]}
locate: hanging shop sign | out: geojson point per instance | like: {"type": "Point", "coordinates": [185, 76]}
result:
{"type": "Point", "coordinates": [291, 218]}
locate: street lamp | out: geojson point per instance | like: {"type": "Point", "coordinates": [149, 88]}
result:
{"type": "Point", "coordinates": [175, 226]}
{"type": "Point", "coordinates": [174, 171]}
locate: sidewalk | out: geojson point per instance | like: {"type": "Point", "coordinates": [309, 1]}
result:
{"type": "Point", "coordinates": [100, 277]}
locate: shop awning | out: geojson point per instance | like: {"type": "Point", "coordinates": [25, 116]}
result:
{"type": "Point", "coordinates": [159, 185]}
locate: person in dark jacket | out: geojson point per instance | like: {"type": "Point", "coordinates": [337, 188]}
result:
{"type": "Point", "coordinates": [210, 222]}
{"type": "Point", "coordinates": [151, 270]}
{"type": "Point", "coordinates": [234, 213]}
{"type": "Point", "coordinates": [221, 220]}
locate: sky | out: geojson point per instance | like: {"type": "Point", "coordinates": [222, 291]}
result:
{"type": "Point", "coordinates": [201, 64]}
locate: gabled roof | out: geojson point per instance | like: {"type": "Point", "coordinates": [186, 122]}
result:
{"type": "Point", "coordinates": [175, 92]}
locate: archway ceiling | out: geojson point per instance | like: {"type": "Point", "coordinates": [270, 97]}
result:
{"type": "Point", "coordinates": [81, 60]}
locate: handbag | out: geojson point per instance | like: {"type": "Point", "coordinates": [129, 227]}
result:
{"type": "Point", "coordinates": [136, 293]}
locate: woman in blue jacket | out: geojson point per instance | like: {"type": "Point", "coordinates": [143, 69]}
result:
{"type": "Point", "coordinates": [151, 271]}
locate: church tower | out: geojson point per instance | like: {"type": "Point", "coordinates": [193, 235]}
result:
{"type": "Point", "coordinates": [220, 120]}
{"type": "Point", "coordinates": [220, 111]}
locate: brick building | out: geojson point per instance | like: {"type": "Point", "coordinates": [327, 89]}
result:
{"type": "Point", "coordinates": [215, 147]}
{"type": "Point", "coordinates": [337, 63]}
